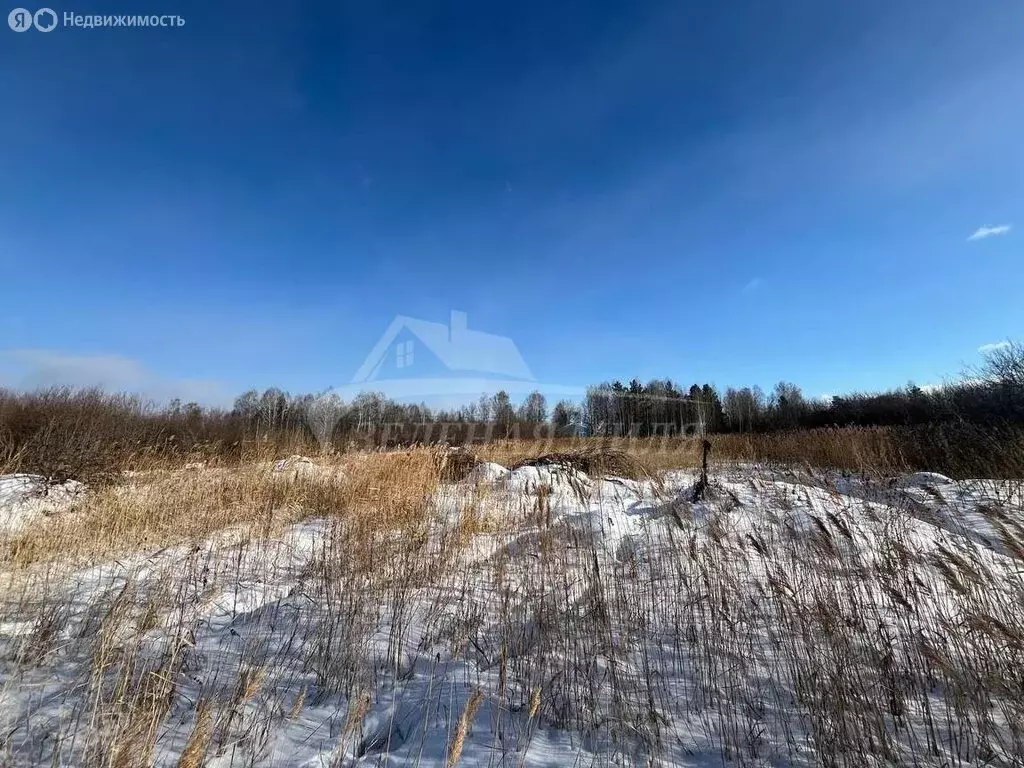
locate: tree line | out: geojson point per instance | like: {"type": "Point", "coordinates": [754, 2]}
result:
{"type": "Point", "coordinates": [661, 407]}
{"type": "Point", "coordinates": [93, 434]}
{"type": "Point", "coordinates": [60, 427]}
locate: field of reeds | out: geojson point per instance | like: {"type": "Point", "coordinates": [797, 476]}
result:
{"type": "Point", "coordinates": [821, 600]}
{"type": "Point", "coordinates": [375, 608]}
{"type": "Point", "coordinates": [94, 437]}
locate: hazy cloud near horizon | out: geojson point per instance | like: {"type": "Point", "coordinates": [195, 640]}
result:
{"type": "Point", "coordinates": [29, 369]}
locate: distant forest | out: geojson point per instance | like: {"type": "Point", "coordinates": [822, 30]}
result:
{"type": "Point", "coordinates": [992, 394]}
{"type": "Point", "coordinates": [93, 434]}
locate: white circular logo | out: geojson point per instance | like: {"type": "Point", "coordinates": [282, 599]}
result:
{"type": "Point", "coordinates": [45, 19]}
{"type": "Point", "coordinates": [20, 19]}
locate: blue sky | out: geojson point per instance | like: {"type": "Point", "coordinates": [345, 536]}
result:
{"type": "Point", "coordinates": [729, 192]}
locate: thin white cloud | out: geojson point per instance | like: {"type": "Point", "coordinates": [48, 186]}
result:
{"type": "Point", "coordinates": [982, 232]}
{"type": "Point", "coordinates": [27, 369]}
{"type": "Point", "coordinates": [997, 345]}
{"type": "Point", "coordinates": [752, 285]}
{"type": "Point", "coordinates": [970, 381]}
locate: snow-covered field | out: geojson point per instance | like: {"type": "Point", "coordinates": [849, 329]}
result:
{"type": "Point", "coordinates": [538, 617]}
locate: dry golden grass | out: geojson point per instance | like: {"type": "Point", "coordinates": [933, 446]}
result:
{"type": "Point", "coordinates": [843, 631]}
{"type": "Point", "coordinates": [855, 449]}
{"type": "Point", "coordinates": [652, 454]}
{"type": "Point", "coordinates": [159, 508]}
{"type": "Point", "coordinates": [465, 721]}
{"type": "Point", "coordinates": [958, 450]}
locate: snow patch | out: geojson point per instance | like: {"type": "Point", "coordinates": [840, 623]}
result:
{"type": "Point", "coordinates": [261, 602]}
{"type": "Point", "coordinates": [26, 500]}
{"type": "Point", "coordinates": [921, 479]}
{"type": "Point", "coordinates": [487, 473]}
{"type": "Point", "coordinates": [559, 482]}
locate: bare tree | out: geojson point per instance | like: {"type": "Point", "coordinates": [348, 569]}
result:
{"type": "Point", "coordinates": [1004, 365]}
{"type": "Point", "coordinates": [322, 413]}
{"type": "Point", "coordinates": [504, 415]}
{"type": "Point", "coordinates": [534, 409]}
{"type": "Point", "coordinates": [567, 418]}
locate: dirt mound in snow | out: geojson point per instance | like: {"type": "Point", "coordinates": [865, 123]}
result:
{"type": "Point", "coordinates": [595, 462]}
{"type": "Point", "coordinates": [555, 480]}
{"type": "Point", "coordinates": [456, 464]}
